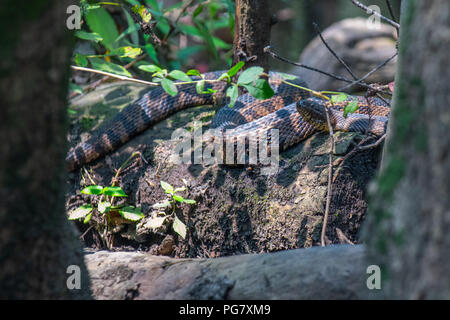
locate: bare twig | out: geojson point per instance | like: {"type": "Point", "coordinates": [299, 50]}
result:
{"type": "Point", "coordinates": [112, 75]}
{"type": "Point", "coordinates": [330, 179]}
{"type": "Point", "coordinates": [316, 27]}
{"type": "Point", "coordinates": [373, 12]}
{"type": "Point", "coordinates": [363, 84]}
{"type": "Point", "coordinates": [391, 11]}
{"type": "Point", "coordinates": [105, 78]}
{"type": "Point", "coordinates": [381, 65]}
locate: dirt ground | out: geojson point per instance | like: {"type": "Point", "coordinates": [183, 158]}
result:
{"type": "Point", "coordinates": [238, 209]}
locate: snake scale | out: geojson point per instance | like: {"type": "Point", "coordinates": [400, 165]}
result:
{"type": "Point", "coordinates": [291, 110]}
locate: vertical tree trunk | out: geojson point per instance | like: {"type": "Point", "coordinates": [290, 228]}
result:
{"type": "Point", "coordinates": [409, 215]}
{"type": "Point", "coordinates": [252, 32]}
{"type": "Point", "coordinates": [37, 243]}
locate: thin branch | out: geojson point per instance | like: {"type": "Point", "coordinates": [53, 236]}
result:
{"type": "Point", "coordinates": [276, 56]}
{"type": "Point", "coordinates": [105, 78]}
{"type": "Point", "coordinates": [363, 84]}
{"type": "Point", "coordinates": [112, 75]}
{"type": "Point", "coordinates": [316, 27]}
{"type": "Point", "coordinates": [381, 65]}
{"type": "Point", "coordinates": [373, 12]}
{"type": "Point", "coordinates": [330, 178]}
{"type": "Point", "coordinates": [391, 11]}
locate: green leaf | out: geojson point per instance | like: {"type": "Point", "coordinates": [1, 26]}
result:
{"type": "Point", "coordinates": [150, 68]}
{"type": "Point", "coordinates": [193, 72]}
{"type": "Point", "coordinates": [155, 223]}
{"type": "Point", "coordinates": [169, 86]}
{"type": "Point", "coordinates": [93, 190]}
{"type": "Point", "coordinates": [179, 227]}
{"type": "Point", "coordinates": [131, 213]}
{"type": "Point", "coordinates": [260, 89]}
{"type": "Point", "coordinates": [123, 52]}
{"type": "Point", "coordinates": [142, 12]}
{"type": "Point", "coordinates": [81, 60]}
{"type": "Point", "coordinates": [235, 69]}
{"type": "Point", "coordinates": [88, 36]}
{"type": "Point", "coordinates": [189, 201]}
{"type": "Point", "coordinates": [198, 10]}
{"type": "Point", "coordinates": [166, 187]}
{"type": "Point", "coordinates": [250, 75]}
{"type": "Point", "coordinates": [180, 189]}
{"type": "Point", "coordinates": [350, 108]}
{"type": "Point", "coordinates": [232, 93]}
{"type": "Point", "coordinates": [199, 87]}
{"type": "Point", "coordinates": [75, 88]}
{"type": "Point", "coordinates": [106, 66]}
{"type": "Point", "coordinates": [287, 76]}
{"type": "Point", "coordinates": [179, 75]}
{"type": "Point", "coordinates": [161, 204]}
{"type": "Point", "coordinates": [104, 206]}
{"type": "Point", "coordinates": [150, 49]}
{"type": "Point", "coordinates": [88, 218]}
{"type": "Point", "coordinates": [178, 198]}
{"type": "Point", "coordinates": [114, 192]}
{"type": "Point", "coordinates": [80, 212]}
{"type": "Point", "coordinates": [101, 22]}
{"type": "Point", "coordinates": [338, 98]}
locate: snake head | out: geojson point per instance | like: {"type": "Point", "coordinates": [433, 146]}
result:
{"type": "Point", "coordinates": [313, 111]}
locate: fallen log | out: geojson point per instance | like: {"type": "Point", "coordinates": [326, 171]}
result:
{"type": "Point", "coordinates": [333, 272]}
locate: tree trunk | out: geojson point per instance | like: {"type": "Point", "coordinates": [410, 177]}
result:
{"type": "Point", "coordinates": [37, 243]}
{"type": "Point", "coordinates": [409, 217]}
{"type": "Point", "coordinates": [251, 32]}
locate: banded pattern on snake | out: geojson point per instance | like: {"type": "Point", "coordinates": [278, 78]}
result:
{"type": "Point", "coordinates": [249, 115]}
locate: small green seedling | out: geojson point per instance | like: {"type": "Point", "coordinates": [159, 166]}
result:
{"type": "Point", "coordinates": [178, 226]}
{"type": "Point", "coordinates": [103, 214]}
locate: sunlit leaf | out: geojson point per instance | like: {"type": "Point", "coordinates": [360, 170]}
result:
{"type": "Point", "coordinates": [103, 65]}
{"type": "Point", "coordinates": [114, 192]}
{"type": "Point", "coordinates": [88, 36]}
{"type": "Point", "coordinates": [178, 198]}
{"type": "Point", "coordinates": [260, 89]}
{"type": "Point", "coordinates": [81, 60]}
{"type": "Point", "coordinates": [131, 213]}
{"type": "Point", "coordinates": [166, 187]}
{"type": "Point", "coordinates": [179, 75]}
{"type": "Point", "coordinates": [92, 190]}
{"type": "Point", "coordinates": [161, 204]}
{"type": "Point", "coordinates": [338, 97]}
{"type": "Point", "coordinates": [235, 69]}
{"type": "Point", "coordinates": [104, 206]}
{"type": "Point", "coordinates": [250, 75]}
{"type": "Point", "coordinates": [232, 93]}
{"type": "Point", "coordinates": [155, 223]}
{"type": "Point", "coordinates": [80, 212]}
{"type": "Point", "coordinates": [179, 227]}
{"type": "Point", "coordinates": [189, 201]}
{"type": "Point", "coordinates": [350, 108]}
{"type": "Point", "coordinates": [169, 86]}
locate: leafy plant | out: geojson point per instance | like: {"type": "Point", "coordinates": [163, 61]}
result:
{"type": "Point", "coordinates": [173, 198]}
{"type": "Point", "coordinates": [102, 214]}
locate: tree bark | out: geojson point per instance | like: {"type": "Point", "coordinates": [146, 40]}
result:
{"type": "Point", "coordinates": [409, 213]}
{"type": "Point", "coordinates": [251, 32]}
{"type": "Point", "coordinates": [37, 243]}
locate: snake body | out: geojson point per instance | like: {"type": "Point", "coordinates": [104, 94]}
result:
{"type": "Point", "coordinates": [248, 116]}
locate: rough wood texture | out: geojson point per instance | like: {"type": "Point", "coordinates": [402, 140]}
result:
{"type": "Point", "coordinates": [410, 213]}
{"type": "Point", "coordinates": [251, 32]}
{"type": "Point", "coordinates": [37, 243]}
{"type": "Point", "coordinates": [335, 272]}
